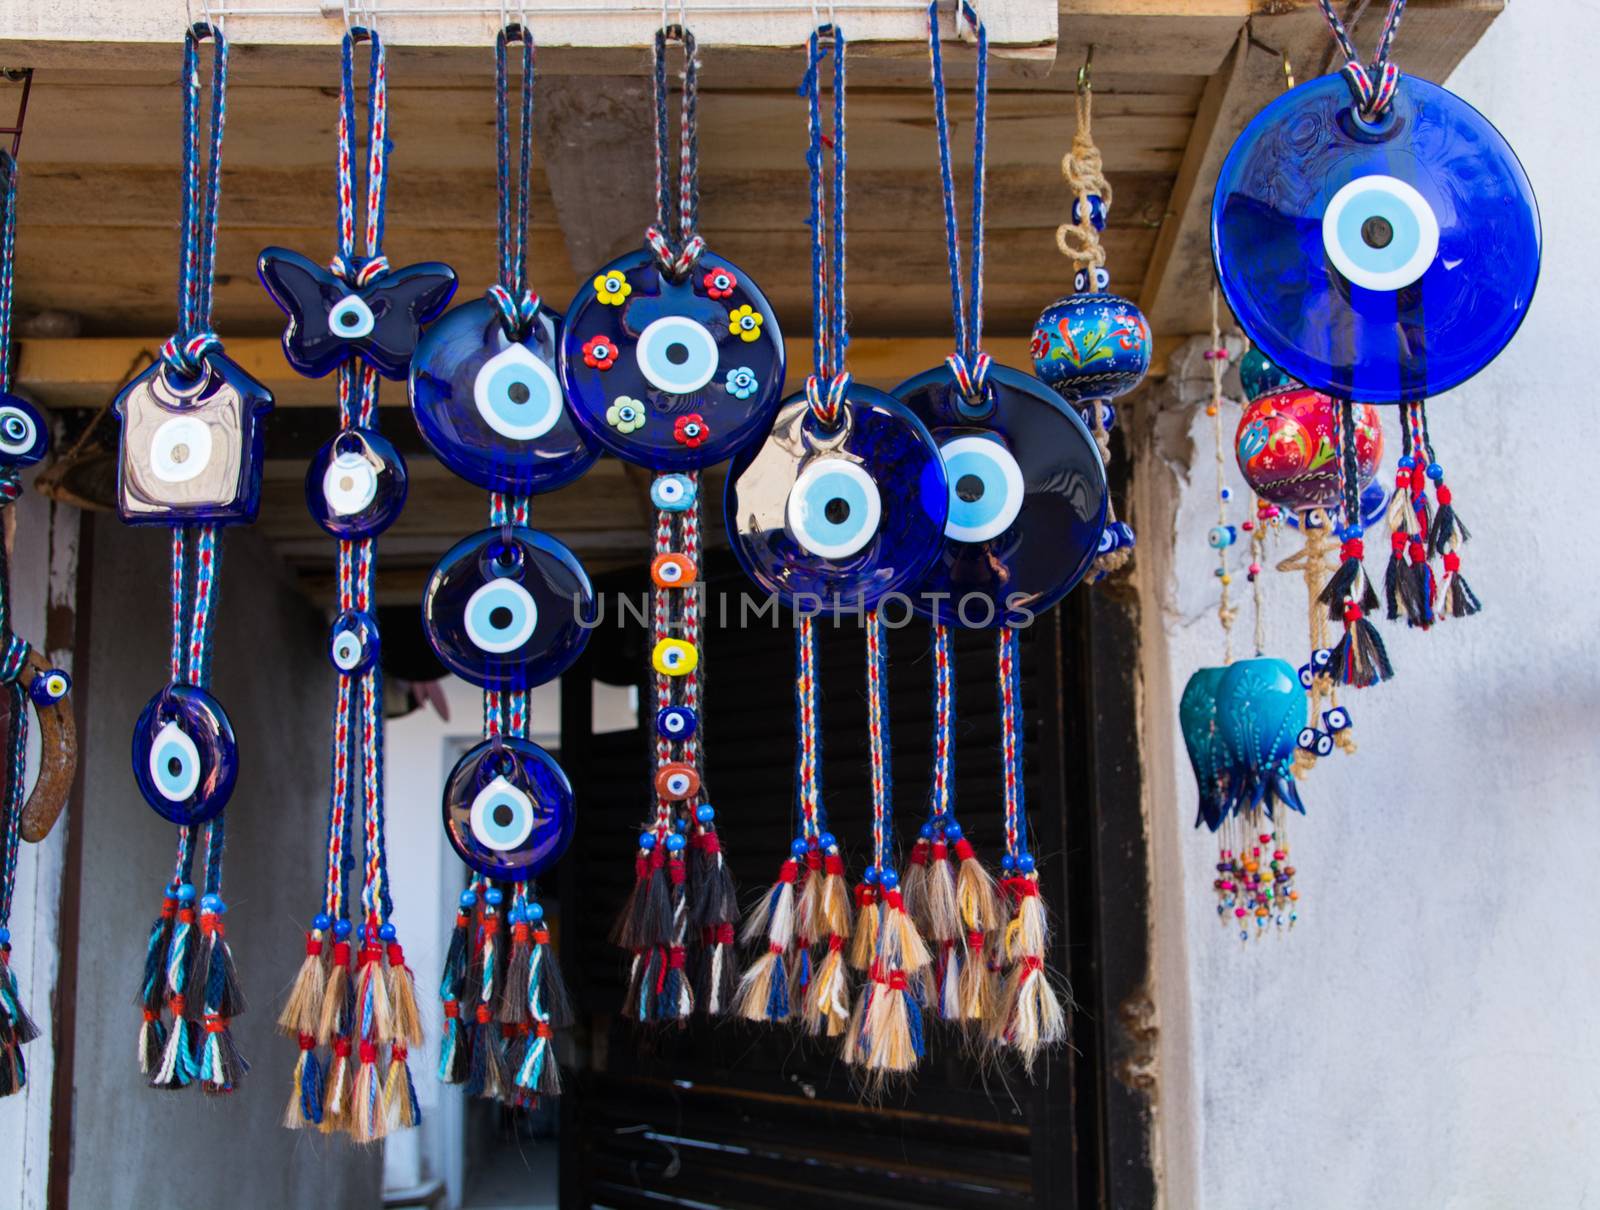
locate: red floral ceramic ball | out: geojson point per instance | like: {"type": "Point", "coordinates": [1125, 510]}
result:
{"type": "Point", "coordinates": [1285, 448]}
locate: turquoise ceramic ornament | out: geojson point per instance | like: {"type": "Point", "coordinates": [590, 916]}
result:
{"type": "Point", "coordinates": [1259, 376]}
{"type": "Point", "coordinates": [1197, 718]}
{"type": "Point", "coordinates": [1261, 708]}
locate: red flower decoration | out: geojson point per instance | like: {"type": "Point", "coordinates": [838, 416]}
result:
{"type": "Point", "coordinates": [719, 283]}
{"type": "Point", "coordinates": [691, 430]}
{"type": "Point", "coordinates": [1040, 346]}
{"type": "Point", "coordinates": [600, 353]}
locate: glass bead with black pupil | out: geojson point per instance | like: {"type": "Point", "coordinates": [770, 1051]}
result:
{"type": "Point", "coordinates": [1028, 503]}
{"type": "Point", "coordinates": [353, 643]}
{"type": "Point", "coordinates": [492, 409]}
{"type": "Point", "coordinates": [508, 809]}
{"type": "Point", "coordinates": [708, 346]}
{"type": "Point", "coordinates": [508, 608]}
{"type": "Point", "coordinates": [356, 484]}
{"type": "Point", "coordinates": [185, 760]}
{"type": "Point", "coordinates": [1383, 261]}
{"type": "Point", "coordinates": [676, 723]}
{"type": "Point", "coordinates": [850, 514]}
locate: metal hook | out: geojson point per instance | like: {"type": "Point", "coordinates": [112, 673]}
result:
{"type": "Point", "coordinates": [1086, 72]}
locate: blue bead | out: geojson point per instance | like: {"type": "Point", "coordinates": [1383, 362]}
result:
{"type": "Point", "coordinates": [1025, 863]}
{"type": "Point", "coordinates": [827, 841]}
{"type": "Point", "coordinates": [24, 435]}
{"type": "Point", "coordinates": [1405, 462]}
{"type": "Point", "coordinates": [514, 916]}
{"type": "Point", "coordinates": [386, 932]}
{"type": "Point", "coordinates": [798, 846]}
{"type": "Point", "coordinates": [676, 843]}
{"type": "Point", "coordinates": [5, 936]}
{"type": "Point", "coordinates": [211, 903]}
{"type": "Point", "coordinates": [321, 922]}
{"type": "Point", "coordinates": [647, 841]}
{"type": "Point", "coordinates": [508, 809]}
{"type": "Point", "coordinates": [1435, 471]}
{"type": "Point", "coordinates": [535, 912]}
{"type": "Point", "coordinates": [952, 831]}
{"type": "Point", "coordinates": [50, 686]}
{"type": "Point", "coordinates": [888, 879]}
{"type": "Point", "coordinates": [704, 813]}
{"type": "Point", "coordinates": [1008, 863]}
{"type": "Point", "coordinates": [676, 723]}
{"type": "Point", "coordinates": [186, 893]}
{"type": "Point", "coordinates": [494, 896]}
{"type": "Point", "coordinates": [683, 823]}
{"type": "Point", "coordinates": [468, 900]}
{"type": "Point", "coordinates": [1097, 211]}
{"type": "Point", "coordinates": [341, 929]}
{"type": "Point", "coordinates": [353, 642]}
{"type": "Point", "coordinates": [926, 831]}
{"type": "Point", "coordinates": [870, 875]}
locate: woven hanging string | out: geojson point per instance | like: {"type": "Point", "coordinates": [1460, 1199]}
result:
{"type": "Point", "coordinates": [1217, 362]}
{"type": "Point", "coordinates": [674, 238]}
{"type": "Point", "coordinates": [1359, 658]}
{"type": "Point", "coordinates": [517, 303]}
{"type": "Point", "coordinates": [1372, 85]}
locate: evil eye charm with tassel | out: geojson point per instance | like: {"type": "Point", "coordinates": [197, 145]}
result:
{"type": "Point", "coordinates": [672, 375]}
{"type": "Point", "coordinates": [508, 809]}
{"type": "Point", "coordinates": [191, 450]}
{"type": "Point", "coordinates": [356, 485]}
{"type": "Point", "coordinates": [378, 316]}
{"type": "Point", "coordinates": [184, 756]}
{"type": "Point", "coordinates": [1092, 344]}
{"type": "Point", "coordinates": [1261, 709]}
{"type": "Point", "coordinates": [24, 439]}
{"type": "Point", "coordinates": [1381, 260]}
{"type": "Point", "coordinates": [847, 513]}
{"type": "Point", "coordinates": [492, 408]}
{"type": "Point", "coordinates": [508, 608]}
{"type": "Point", "coordinates": [1027, 497]}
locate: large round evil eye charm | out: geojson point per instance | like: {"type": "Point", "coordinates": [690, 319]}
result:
{"type": "Point", "coordinates": [492, 408]}
{"type": "Point", "coordinates": [668, 374]}
{"type": "Point", "coordinates": [1383, 261]}
{"type": "Point", "coordinates": [508, 608]}
{"type": "Point", "coordinates": [356, 484]}
{"type": "Point", "coordinates": [849, 513]}
{"type": "Point", "coordinates": [1091, 346]}
{"type": "Point", "coordinates": [508, 809]}
{"type": "Point", "coordinates": [184, 757]}
{"type": "Point", "coordinates": [1284, 445]}
{"type": "Point", "coordinates": [1027, 497]}
{"type": "Point", "coordinates": [24, 439]}
{"type": "Point", "coordinates": [353, 642]}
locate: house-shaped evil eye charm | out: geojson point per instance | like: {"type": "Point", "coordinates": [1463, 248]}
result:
{"type": "Point", "coordinates": [191, 450]}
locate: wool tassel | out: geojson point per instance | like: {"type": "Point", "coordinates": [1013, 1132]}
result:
{"type": "Point", "coordinates": [455, 1047]}
{"type": "Point", "coordinates": [305, 1096]}
{"type": "Point", "coordinates": [1029, 1016]}
{"type": "Point", "coordinates": [715, 914]}
{"type": "Point", "coordinates": [215, 986]}
{"type": "Point", "coordinates": [514, 993]}
{"type": "Point", "coordinates": [763, 992]}
{"type": "Point", "coordinates": [17, 1029]}
{"type": "Point", "coordinates": [337, 1087]}
{"type": "Point", "coordinates": [1459, 599]}
{"type": "Point", "coordinates": [176, 1066]}
{"type": "Point", "coordinates": [152, 986]}
{"type": "Point", "coordinates": [826, 1008]}
{"type": "Point", "coordinates": [303, 1008]}
{"type": "Point", "coordinates": [549, 986]}
{"type": "Point", "coordinates": [644, 924]}
{"type": "Point", "coordinates": [334, 1017]}
{"type": "Point", "coordinates": [891, 1039]}
{"type": "Point", "coordinates": [368, 1122]}
{"type": "Point", "coordinates": [863, 937]}
{"type": "Point", "coordinates": [674, 990]}
{"type": "Point", "coordinates": [486, 1074]}
{"type": "Point", "coordinates": [979, 903]}
{"type": "Point", "coordinates": [220, 1066]}
{"type": "Point", "coordinates": [1360, 658]}
{"type": "Point", "coordinates": [405, 1021]}
{"type": "Point", "coordinates": [372, 993]}
{"type": "Point", "coordinates": [400, 1108]}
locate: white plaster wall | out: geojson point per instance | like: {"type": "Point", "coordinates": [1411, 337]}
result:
{"type": "Point", "coordinates": [1427, 1037]}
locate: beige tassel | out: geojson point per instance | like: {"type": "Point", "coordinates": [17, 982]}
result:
{"type": "Point", "coordinates": [827, 1004]}
{"type": "Point", "coordinates": [405, 1022]}
{"type": "Point", "coordinates": [1029, 1016]}
{"type": "Point", "coordinates": [864, 941]}
{"type": "Point", "coordinates": [372, 987]}
{"type": "Point", "coordinates": [763, 991]}
{"type": "Point", "coordinates": [368, 1121]}
{"type": "Point", "coordinates": [336, 1091]}
{"type": "Point", "coordinates": [399, 1112]}
{"type": "Point", "coordinates": [303, 1009]}
{"type": "Point", "coordinates": [335, 990]}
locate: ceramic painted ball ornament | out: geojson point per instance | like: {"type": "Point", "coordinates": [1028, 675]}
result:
{"type": "Point", "coordinates": [1027, 497]}
{"type": "Point", "coordinates": [1384, 261]}
{"type": "Point", "coordinates": [508, 809]}
{"type": "Point", "coordinates": [1092, 344]}
{"type": "Point", "coordinates": [184, 756]}
{"type": "Point", "coordinates": [672, 375]}
{"type": "Point", "coordinates": [1261, 710]}
{"type": "Point", "coordinates": [849, 513]}
{"type": "Point", "coordinates": [1284, 444]}
{"type": "Point", "coordinates": [356, 484]}
{"type": "Point", "coordinates": [492, 408]}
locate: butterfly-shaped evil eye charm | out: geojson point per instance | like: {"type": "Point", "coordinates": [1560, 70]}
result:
{"type": "Point", "coordinates": [676, 723]}
{"type": "Point", "coordinates": [667, 374]}
{"type": "Point", "coordinates": [353, 643]}
{"type": "Point", "coordinates": [356, 484]}
{"type": "Point", "coordinates": [508, 608]}
{"type": "Point", "coordinates": [184, 756]}
{"type": "Point", "coordinates": [1027, 497]}
{"type": "Point", "coordinates": [330, 319]}
{"type": "Point", "coordinates": [191, 450]}
{"type": "Point", "coordinates": [1380, 260]}
{"type": "Point", "coordinates": [850, 513]}
{"type": "Point", "coordinates": [508, 809]}
{"type": "Point", "coordinates": [492, 408]}
{"type": "Point", "coordinates": [24, 439]}
{"type": "Point", "coordinates": [1284, 445]}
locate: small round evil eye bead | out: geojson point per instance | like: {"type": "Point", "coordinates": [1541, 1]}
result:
{"type": "Point", "coordinates": [672, 493]}
{"type": "Point", "coordinates": [676, 723]}
{"type": "Point", "coordinates": [674, 657]}
{"type": "Point", "coordinates": [1336, 719]}
{"type": "Point", "coordinates": [353, 642]}
{"type": "Point", "coordinates": [672, 571]}
{"type": "Point", "coordinates": [1097, 211]}
{"type": "Point", "coordinates": [1221, 537]}
{"type": "Point", "coordinates": [1321, 658]}
{"type": "Point", "coordinates": [1324, 743]}
{"type": "Point", "coordinates": [676, 781]}
{"type": "Point", "coordinates": [356, 484]}
{"type": "Point", "coordinates": [24, 439]}
{"type": "Point", "coordinates": [49, 687]}
{"type": "Point", "coordinates": [1307, 675]}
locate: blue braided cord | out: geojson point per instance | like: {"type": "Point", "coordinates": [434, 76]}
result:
{"type": "Point", "coordinates": [513, 239]}
{"type": "Point", "coordinates": [198, 205]}
{"type": "Point", "coordinates": [344, 156]}
{"type": "Point", "coordinates": [968, 315]}
{"type": "Point", "coordinates": [189, 182]}
{"type": "Point", "coordinates": [980, 142]}
{"type": "Point", "coordinates": [8, 253]}
{"type": "Point", "coordinates": [200, 640]}
{"type": "Point", "coordinates": [810, 89]}
{"type": "Point", "coordinates": [214, 839]}
{"type": "Point", "coordinates": [14, 789]}
{"type": "Point", "coordinates": [941, 805]}
{"type": "Point", "coordinates": [664, 204]}
{"type": "Point", "coordinates": [878, 715]}
{"type": "Point", "coordinates": [1008, 637]}
{"type": "Point", "coordinates": [839, 341]}
{"type": "Point", "coordinates": [213, 189]}
{"type": "Point", "coordinates": [15, 653]}
{"type": "Point", "coordinates": [385, 900]}
{"type": "Point", "coordinates": [946, 178]}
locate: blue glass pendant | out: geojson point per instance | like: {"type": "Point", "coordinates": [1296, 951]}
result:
{"type": "Point", "coordinates": [508, 608]}
{"type": "Point", "coordinates": [353, 643]}
{"type": "Point", "coordinates": [330, 319]}
{"type": "Point", "coordinates": [1027, 498]}
{"type": "Point", "coordinates": [1258, 376]}
{"type": "Point", "coordinates": [508, 809]}
{"type": "Point", "coordinates": [184, 757]}
{"type": "Point", "coordinates": [491, 408]}
{"type": "Point", "coordinates": [191, 451]}
{"type": "Point", "coordinates": [24, 438]}
{"type": "Point", "coordinates": [1197, 718]}
{"type": "Point", "coordinates": [1380, 261]}
{"type": "Point", "coordinates": [1091, 345]}
{"type": "Point", "coordinates": [356, 484]}
{"type": "Point", "coordinates": [1261, 708]}
{"type": "Point", "coordinates": [672, 375]}
{"type": "Point", "coordinates": [850, 514]}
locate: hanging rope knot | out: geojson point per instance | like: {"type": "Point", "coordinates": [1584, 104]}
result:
{"type": "Point", "coordinates": [516, 314]}
{"type": "Point", "coordinates": [1084, 172]}
{"type": "Point", "coordinates": [14, 657]}
{"type": "Point", "coordinates": [1373, 86]}
{"type": "Point", "coordinates": [186, 358]}
{"type": "Point", "coordinates": [827, 406]}
{"type": "Point", "coordinates": [971, 380]}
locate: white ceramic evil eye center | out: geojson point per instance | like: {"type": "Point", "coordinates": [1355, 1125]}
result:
{"type": "Point", "coordinates": [678, 784]}
{"type": "Point", "coordinates": [672, 723]}
{"type": "Point", "coordinates": [350, 317]}
{"type": "Point", "coordinates": [833, 509]}
{"type": "Point", "coordinates": [1380, 233]}
{"type": "Point", "coordinates": [986, 488]}
{"type": "Point", "coordinates": [56, 686]}
{"type": "Point", "coordinates": [17, 431]}
{"type": "Point", "coordinates": [501, 816]}
{"type": "Point", "coordinates": [500, 616]}
{"type": "Point", "coordinates": [349, 484]}
{"type": "Point", "coordinates": [180, 449]}
{"type": "Point", "coordinates": [174, 763]}
{"type": "Point", "coordinates": [677, 355]}
{"type": "Point", "coordinates": [346, 650]}
{"type": "Point", "coordinates": [517, 395]}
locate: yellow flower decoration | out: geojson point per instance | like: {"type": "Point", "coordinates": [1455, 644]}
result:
{"type": "Point", "coordinates": [612, 289]}
{"type": "Point", "coordinates": [745, 323]}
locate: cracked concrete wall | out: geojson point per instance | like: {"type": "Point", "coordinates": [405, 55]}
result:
{"type": "Point", "coordinates": [1426, 1036]}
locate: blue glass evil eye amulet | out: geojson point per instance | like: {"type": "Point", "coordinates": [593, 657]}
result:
{"type": "Point", "coordinates": [672, 375]}
{"type": "Point", "coordinates": [184, 756]}
{"type": "Point", "coordinates": [1383, 261]}
{"type": "Point", "coordinates": [491, 408]}
{"type": "Point", "coordinates": [24, 439]}
{"type": "Point", "coordinates": [508, 608]}
{"type": "Point", "coordinates": [508, 809]}
{"type": "Point", "coordinates": [377, 318]}
{"type": "Point", "coordinates": [847, 514]}
{"type": "Point", "coordinates": [356, 484]}
{"type": "Point", "coordinates": [1027, 497]}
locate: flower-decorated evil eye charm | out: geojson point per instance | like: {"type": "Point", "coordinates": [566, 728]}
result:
{"type": "Point", "coordinates": [184, 756]}
{"type": "Point", "coordinates": [24, 439]}
{"type": "Point", "coordinates": [1285, 448]}
{"type": "Point", "coordinates": [353, 642]}
{"type": "Point", "coordinates": [491, 408]}
{"type": "Point", "coordinates": [1093, 345]}
{"type": "Point", "coordinates": [1382, 261]}
{"type": "Point", "coordinates": [676, 723]}
{"type": "Point", "coordinates": [672, 375]}
{"type": "Point", "coordinates": [850, 513]}
{"type": "Point", "coordinates": [673, 493]}
{"type": "Point", "coordinates": [191, 451]}
{"type": "Point", "coordinates": [1027, 497]}
{"type": "Point", "coordinates": [508, 809]}
{"type": "Point", "coordinates": [378, 319]}
{"type": "Point", "coordinates": [356, 484]}
{"type": "Point", "coordinates": [508, 608]}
